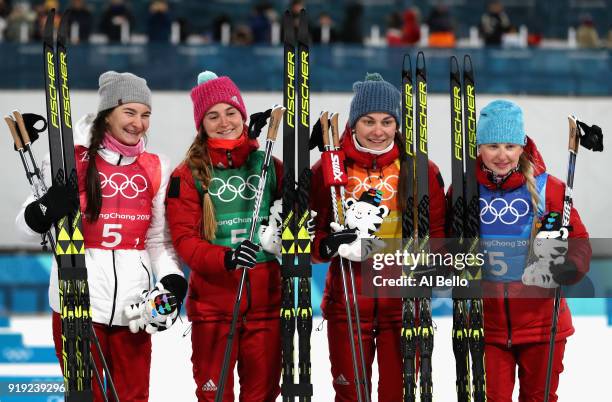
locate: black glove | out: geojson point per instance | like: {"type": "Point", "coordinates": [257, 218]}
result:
{"type": "Point", "coordinates": [316, 137]}
{"type": "Point", "coordinates": [565, 273]}
{"type": "Point", "coordinates": [243, 256]}
{"type": "Point", "coordinates": [328, 247]}
{"type": "Point", "coordinates": [592, 137]}
{"type": "Point", "coordinates": [57, 202]}
{"type": "Point", "coordinates": [31, 120]}
{"type": "Point", "coordinates": [257, 121]}
{"type": "Point", "coordinates": [175, 284]}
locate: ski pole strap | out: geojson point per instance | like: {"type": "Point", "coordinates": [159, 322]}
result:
{"type": "Point", "coordinates": [296, 390]}
{"type": "Point", "coordinates": [334, 173]}
{"type": "Point", "coordinates": [296, 272]}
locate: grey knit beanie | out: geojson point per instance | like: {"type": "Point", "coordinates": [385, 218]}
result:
{"type": "Point", "coordinates": [374, 94]}
{"type": "Point", "coordinates": [120, 88]}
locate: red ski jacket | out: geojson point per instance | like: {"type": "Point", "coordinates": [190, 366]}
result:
{"type": "Point", "coordinates": [513, 319]}
{"type": "Point", "coordinates": [382, 170]}
{"type": "Point", "coordinates": [212, 289]}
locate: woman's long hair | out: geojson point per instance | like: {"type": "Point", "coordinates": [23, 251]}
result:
{"type": "Point", "coordinates": [93, 190]}
{"type": "Point", "coordinates": [198, 161]}
{"type": "Point", "coordinates": [527, 168]}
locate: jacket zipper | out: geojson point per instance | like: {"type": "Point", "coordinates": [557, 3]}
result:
{"type": "Point", "coordinates": [148, 275]}
{"type": "Point", "coordinates": [507, 305]}
{"type": "Point", "coordinates": [110, 323]}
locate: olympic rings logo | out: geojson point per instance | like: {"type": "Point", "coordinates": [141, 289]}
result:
{"type": "Point", "coordinates": [388, 186]}
{"type": "Point", "coordinates": [235, 186]}
{"type": "Point", "coordinates": [129, 187]}
{"type": "Point", "coordinates": [17, 354]}
{"type": "Point", "coordinates": [499, 208]}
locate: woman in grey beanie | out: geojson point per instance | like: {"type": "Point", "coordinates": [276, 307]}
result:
{"type": "Point", "coordinates": [129, 257]}
{"type": "Point", "coordinates": [371, 143]}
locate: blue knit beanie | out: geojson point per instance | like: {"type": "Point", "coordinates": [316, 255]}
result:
{"type": "Point", "coordinates": [374, 94]}
{"type": "Point", "coordinates": [501, 121]}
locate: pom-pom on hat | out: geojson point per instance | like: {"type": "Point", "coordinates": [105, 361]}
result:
{"type": "Point", "coordinates": [374, 94]}
{"type": "Point", "coordinates": [501, 121]}
{"type": "Point", "coordinates": [117, 89]}
{"type": "Point", "coordinates": [211, 90]}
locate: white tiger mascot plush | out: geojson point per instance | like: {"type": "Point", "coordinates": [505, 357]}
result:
{"type": "Point", "coordinates": [364, 216]}
{"type": "Point", "coordinates": [550, 247]}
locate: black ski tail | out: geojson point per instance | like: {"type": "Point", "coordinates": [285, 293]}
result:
{"type": "Point", "coordinates": [425, 329]}
{"type": "Point", "coordinates": [409, 332]}
{"type": "Point", "coordinates": [289, 226]}
{"type": "Point", "coordinates": [472, 230]}
{"type": "Point", "coordinates": [458, 210]}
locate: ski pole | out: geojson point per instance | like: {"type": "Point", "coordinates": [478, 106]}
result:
{"type": "Point", "coordinates": [364, 379]}
{"type": "Point", "coordinates": [34, 175]}
{"type": "Point", "coordinates": [595, 144]}
{"type": "Point", "coordinates": [275, 117]}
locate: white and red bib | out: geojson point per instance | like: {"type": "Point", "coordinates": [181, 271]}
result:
{"type": "Point", "coordinates": [127, 199]}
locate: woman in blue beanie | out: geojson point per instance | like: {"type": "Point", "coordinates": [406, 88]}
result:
{"type": "Point", "coordinates": [515, 193]}
{"type": "Point", "coordinates": [371, 143]}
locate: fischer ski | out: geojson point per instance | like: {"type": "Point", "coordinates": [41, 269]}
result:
{"type": "Point", "coordinates": [295, 239]}
{"type": "Point", "coordinates": [468, 329]}
{"type": "Point", "coordinates": [69, 245]}
{"type": "Point", "coordinates": [408, 334]}
{"type": "Point", "coordinates": [425, 334]}
{"type": "Point", "coordinates": [415, 231]}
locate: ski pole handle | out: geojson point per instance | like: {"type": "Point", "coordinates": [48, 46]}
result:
{"type": "Point", "coordinates": [574, 142]}
{"type": "Point", "coordinates": [22, 128]}
{"type": "Point", "coordinates": [13, 129]}
{"type": "Point", "coordinates": [324, 120]}
{"type": "Point", "coordinates": [334, 129]}
{"type": "Point", "coordinates": [275, 118]}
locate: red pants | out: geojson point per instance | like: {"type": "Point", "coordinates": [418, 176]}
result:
{"type": "Point", "coordinates": [385, 340]}
{"type": "Point", "coordinates": [127, 355]}
{"type": "Point", "coordinates": [256, 349]}
{"type": "Point", "coordinates": [531, 360]}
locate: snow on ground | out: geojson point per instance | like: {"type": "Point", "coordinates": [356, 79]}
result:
{"type": "Point", "coordinates": [588, 361]}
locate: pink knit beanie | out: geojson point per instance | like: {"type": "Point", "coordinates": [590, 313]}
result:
{"type": "Point", "coordinates": [211, 90]}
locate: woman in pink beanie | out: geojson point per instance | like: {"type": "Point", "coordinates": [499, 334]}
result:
{"type": "Point", "coordinates": [209, 207]}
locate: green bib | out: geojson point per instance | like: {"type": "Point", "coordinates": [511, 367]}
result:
{"type": "Point", "coordinates": [233, 192]}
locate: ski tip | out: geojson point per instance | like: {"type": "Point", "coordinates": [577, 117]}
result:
{"type": "Point", "coordinates": [48, 30]}
{"type": "Point", "coordinates": [467, 63]}
{"type": "Point", "coordinates": [454, 65]}
{"type": "Point", "coordinates": [288, 29]}
{"type": "Point", "coordinates": [62, 33]}
{"type": "Point", "coordinates": [406, 63]}
{"type": "Point", "coordinates": [421, 61]}
{"type": "Point", "coordinates": [303, 34]}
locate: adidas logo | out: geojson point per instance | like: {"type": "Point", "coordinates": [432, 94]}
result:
{"type": "Point", "coordinates": [209, 386]}
{"type": "Point", "coordinates": [341, 380]}
{"type": "Point", "coordinates": [43, 209]}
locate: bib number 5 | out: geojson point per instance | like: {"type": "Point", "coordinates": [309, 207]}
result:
{"type": "Point", "coordinates": [111, 232]}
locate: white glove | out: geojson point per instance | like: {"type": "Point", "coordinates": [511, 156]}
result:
{"type": "Point", "coordinates": [361, 249]}
{"type": "Point", "coordinates": [538, 274]}
{"type": "Point", "coordinates": [157, 311]}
